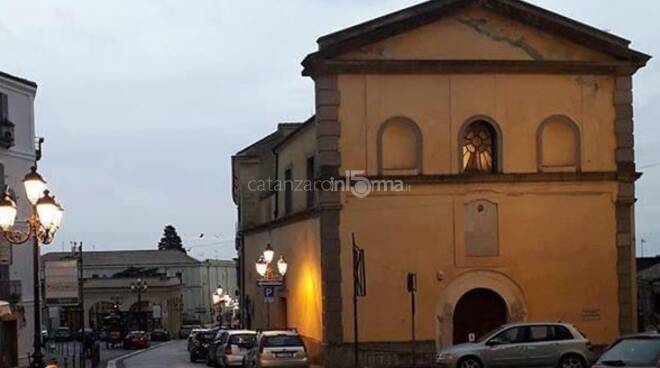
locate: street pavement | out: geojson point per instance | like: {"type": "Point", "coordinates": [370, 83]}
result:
{"type": "Point", "coordinates": [171, 355]}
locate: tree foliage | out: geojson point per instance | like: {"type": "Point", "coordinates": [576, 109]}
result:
{"type": "Point", "coordinates": [171, 240]}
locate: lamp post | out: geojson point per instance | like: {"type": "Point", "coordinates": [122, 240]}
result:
{"type": "Point", "coordinates": [44, 221]}
{"type": "Point", "coordinates": [139, 286]}
{"type": "Point", "coordinates": [269, 279]}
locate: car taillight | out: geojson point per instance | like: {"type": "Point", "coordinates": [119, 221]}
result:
{"type": "Point", "coordinates": [228, 349]}
{"type": "Point", "coordinates": [590, 346]}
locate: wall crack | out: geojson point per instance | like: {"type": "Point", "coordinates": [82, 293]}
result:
{"type": "Point", "coordinates": [481, 26]}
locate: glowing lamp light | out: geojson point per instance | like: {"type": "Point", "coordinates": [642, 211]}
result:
{"type": "Point", "coordinates": [269, 253]}
{"type": "Point", "coordinates": [48, 211]}
{"type": "Point", "coordinates": [35, 185]}
{"type": "Point", "coordinates": [282, 266]}
{"type": "Point", "coordinates": [7, 212]}
{"type": "Point", "coordinates": [262, 266]}
{"type": "Point", "coordinates": [219, 290]}
{"type": "Point", "coordinates": [216, 299]}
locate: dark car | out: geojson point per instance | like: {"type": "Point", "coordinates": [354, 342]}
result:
{"type": "Point", "coordinates": [62, 334]}
{"type": "Point", "coordinates": [136, 340]}
{"type": "Point", "coordinates": [200, 344]}
{"type": "Point", "coordinates": [634, 351]}
{"type": "Point", "coordinates": [160, 335]}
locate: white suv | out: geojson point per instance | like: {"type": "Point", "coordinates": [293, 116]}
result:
{"type": "Point", "coordinates": [522, 345]}
{"type": "Point", "coordinates": [277, 348]}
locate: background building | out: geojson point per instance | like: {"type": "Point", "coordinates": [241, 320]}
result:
{"type": "Point", "coordinates": [179, 287]}
{"type": "Point", "coordinates": [17, 155]}
{"type": "Point", "coordinates": [510, 128]}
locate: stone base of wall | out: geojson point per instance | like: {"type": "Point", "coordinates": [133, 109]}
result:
{"type": "Point", "coordinates": [379, 354]}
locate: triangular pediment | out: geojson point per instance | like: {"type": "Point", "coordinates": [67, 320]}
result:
{"type": "Point", "coordinates": [480, 30]}
{"type": "Point", "coordinates": [475, 34]}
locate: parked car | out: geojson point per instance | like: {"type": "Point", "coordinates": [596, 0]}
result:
{"type": "Point", "coordinates": [233, 347]}
{"type": "Point", "coordinates": [160, 335]}
{"type": "Point", "coordinates": [88, 334]}
{"type": "Point", "coordinates": [636, 351]}
{"type": "Point", "coordinates": [62, 334]}
{"type": "Point", "coordinates": [186, 330]}
{"type": "Point", "coordinates": [191, 336]}
{"type": "Point", "coordinates": [136, 340]}
{"type": "Point", "coordinates": [522, 345]}
{"type": "Point", "coordinates": [200, 345]}
{"type": "Point", "coordinates": [211, 358]}
{"type": "Point", "coordinates": [277, 348]}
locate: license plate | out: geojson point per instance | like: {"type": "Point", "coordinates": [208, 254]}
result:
{"type": "Point", "coordinates": [283, 355]}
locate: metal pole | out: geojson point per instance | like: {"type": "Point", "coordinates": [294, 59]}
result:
{"type": "Point", "coordinates": [82, 304]}
{"type": "Point", "coordinates": [356, 349]}
{"type": "Point", "coordinates": [412, 305]}
{"type": "Point", "coordinates": [37, 356]}
{"type": "Point", "coordinates": [139, 291]}
{"type": "Point", "coordinates": [268, 315]}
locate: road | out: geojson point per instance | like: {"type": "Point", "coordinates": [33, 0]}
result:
{"type": "Point", "coordinates": [171, 355]}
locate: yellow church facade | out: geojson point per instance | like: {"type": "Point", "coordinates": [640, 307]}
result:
{"type": "Point", "coordinates": [488, 147]}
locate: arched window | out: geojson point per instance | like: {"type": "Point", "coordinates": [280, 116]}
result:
{"type": "Point", "coordinates": [558, 140]}
{"type": "Point", "coordinates": [479, 147]}
{"type": "Point", "coordinates": [399, 147]}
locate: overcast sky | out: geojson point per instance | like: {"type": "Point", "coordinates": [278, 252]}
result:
{"type": "Point", "coordinates": [142, 102]}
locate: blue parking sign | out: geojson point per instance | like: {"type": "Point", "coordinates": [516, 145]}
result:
{"type": "Point", "coordinates": [269, 294]}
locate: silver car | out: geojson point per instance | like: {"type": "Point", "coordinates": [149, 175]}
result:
{"type": "Point", "coordinates": [234, 346]}
{"type": "Point", "coordinates": [634, 351]}
{"type": "Point", "coordinates": [281, 348]}
{"type": "Point", "coordinates": [522, 345]}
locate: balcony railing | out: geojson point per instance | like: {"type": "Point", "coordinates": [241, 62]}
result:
{"type": "Point", "coordinates": [10, 291]}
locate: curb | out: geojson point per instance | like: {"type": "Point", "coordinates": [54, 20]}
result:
{"type": "Point", "coordinates": [119, 361]}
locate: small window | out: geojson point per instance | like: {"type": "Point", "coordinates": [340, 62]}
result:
{"type": "Point", "coordinates": [6, 126]}
{"type": "Point", "coordinates": [479, 148]}
{"type": "Point", "coordinates": [562, 333]}
{"type": "Point", "coordinates": [4, 107]}
{"type": "Point", "coordinates": [288, 191]}
{"type": "Point", "coordinates": [510, 336]}
{"type": "Point", "coordinates": [539, 333]}
{"type": "Point", "coordinates": [311, 187]}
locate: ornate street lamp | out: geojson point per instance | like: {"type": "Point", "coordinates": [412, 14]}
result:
{"type": "Point", "coordinates": [282, 266]}
{"type": "Point", "coordinates": [269, 253]}
{"type": "Point", "coordinates": [45, 219]}
{"type": "Point", "coordinates": [139, 286]}
{"type": "Point", "coordinates": [262, 266]}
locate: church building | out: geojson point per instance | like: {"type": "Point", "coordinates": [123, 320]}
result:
{"type": "Point", "coordinates": [488, 148]}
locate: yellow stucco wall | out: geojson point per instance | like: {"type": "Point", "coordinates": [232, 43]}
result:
{"type": "Point", "coordinates": [299, 244]}
{"type": "Point", "coordinates": [440, 104]}
{"type": "Point", "coordinates": [294, 156]}
{"type": "Point", "coordinates": [475, 34]}
{"type": "Point", "coordinates": [555, 238]}
{"type": "Point", "coordinates": [555, 242]}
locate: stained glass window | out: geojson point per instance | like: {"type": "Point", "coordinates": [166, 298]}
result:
{"type": "Point", "coordinates": [479, 148]}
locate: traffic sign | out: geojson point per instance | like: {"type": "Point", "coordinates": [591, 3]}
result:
{"type": "Point", "coordinates": [264, 283]}
{"type": "Point", "coordinates": [269, 294]}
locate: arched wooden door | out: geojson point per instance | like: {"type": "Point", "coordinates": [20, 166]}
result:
{"type": "Point", "coordinates": [478, 312]}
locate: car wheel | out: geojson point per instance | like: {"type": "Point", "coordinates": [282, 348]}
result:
{"type": "Point", "coordinates": [571, 361]}
{"type": "Point", "coordinates": [470, 362]}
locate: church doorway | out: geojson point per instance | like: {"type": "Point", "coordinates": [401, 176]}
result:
{"type": "Point", "coordinates": [478, 312]}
